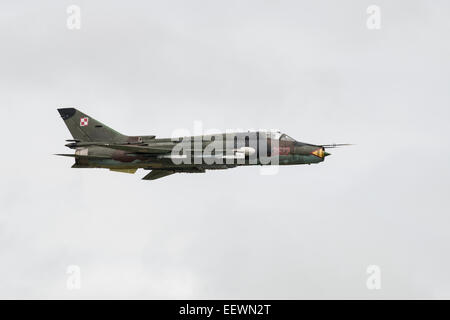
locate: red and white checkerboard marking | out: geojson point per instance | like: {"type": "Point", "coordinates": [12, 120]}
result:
{"type": "Point", "coordinates": [84, 122]}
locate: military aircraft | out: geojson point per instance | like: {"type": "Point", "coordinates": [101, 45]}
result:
{"type": "Point", "coordinates": [98, 146]}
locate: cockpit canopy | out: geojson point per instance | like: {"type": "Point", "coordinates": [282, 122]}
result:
{"type": "Point", "coordinates": [277, 135]}
{"type": "Point", "coordinates": [285, 137]}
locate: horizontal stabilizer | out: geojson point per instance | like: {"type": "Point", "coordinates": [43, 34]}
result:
{"type": "Point", "coordinates": [82, 156]}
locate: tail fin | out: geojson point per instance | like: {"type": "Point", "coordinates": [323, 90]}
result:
{"type": "Point", "coordinates": [84, 128]}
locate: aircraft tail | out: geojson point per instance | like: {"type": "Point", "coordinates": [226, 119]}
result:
{"type": "Point", "coordinates": [84, 128]}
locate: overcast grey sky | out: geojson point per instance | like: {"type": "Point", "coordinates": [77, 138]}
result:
{"type": "Point", "coordinates": [310, 68]}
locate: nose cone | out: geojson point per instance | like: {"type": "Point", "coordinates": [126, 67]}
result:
{"type": "Point", "coordinates": [320, 152]}
{"type": "Point", "coordinates": [310, 149]}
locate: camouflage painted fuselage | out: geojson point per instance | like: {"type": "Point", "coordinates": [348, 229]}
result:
{"type": "Point", "coordinates": [288, 152]}
{"type": "Point", "coordinates": [98, 146]}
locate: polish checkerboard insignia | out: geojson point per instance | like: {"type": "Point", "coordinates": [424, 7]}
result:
{"type": "Point", "coordinates": [84, 122]}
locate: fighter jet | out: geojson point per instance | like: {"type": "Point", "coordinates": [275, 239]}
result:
{"type": "Point", "coordinates": [98, 146]}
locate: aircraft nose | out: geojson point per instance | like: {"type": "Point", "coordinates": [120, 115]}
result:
{"type": "Point", "coordinates": [320, 152]}
{"type": "Point", "coordinates": [308, 149]}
